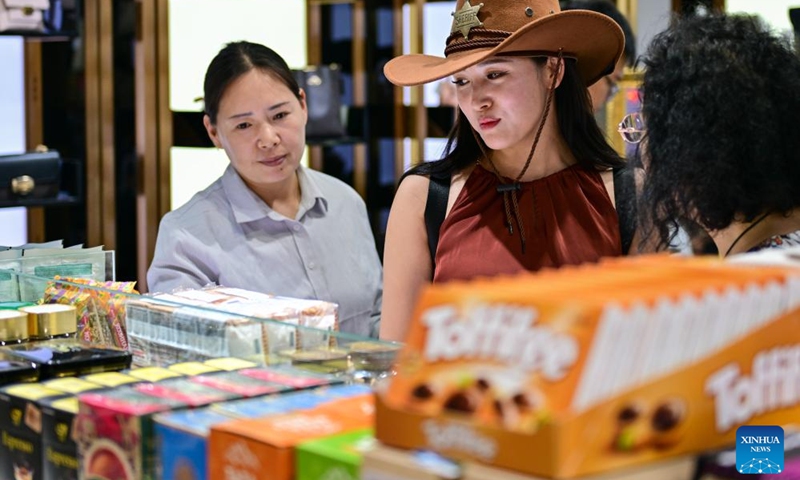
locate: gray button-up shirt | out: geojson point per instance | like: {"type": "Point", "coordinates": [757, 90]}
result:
{"type": "Point", "coordinates": [227, 235]}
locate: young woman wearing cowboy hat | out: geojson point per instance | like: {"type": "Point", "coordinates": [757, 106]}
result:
{"type": "Point", "coordinates": [523, 163]}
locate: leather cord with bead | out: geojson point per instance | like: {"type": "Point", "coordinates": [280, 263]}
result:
{"type": "Point", "coordinates": [509, 190]}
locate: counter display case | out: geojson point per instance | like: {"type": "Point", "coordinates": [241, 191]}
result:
{"type": "Point", "coordinates": [203, 324]}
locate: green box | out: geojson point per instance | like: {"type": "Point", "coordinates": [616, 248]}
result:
{"type": "Point", "coordinates": [333, 458]}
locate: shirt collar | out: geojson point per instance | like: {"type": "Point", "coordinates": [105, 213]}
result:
{"type": "Point", "coordinates": [248, 207]}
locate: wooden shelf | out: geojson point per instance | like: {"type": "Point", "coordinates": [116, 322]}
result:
{"type": "Point", "coordinates": [40, 36]}
{"type": "Point", "coordinates": [62, 200]}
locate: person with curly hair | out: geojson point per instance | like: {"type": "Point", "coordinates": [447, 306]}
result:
{"type": "Point", "coordinates": [721, 106]}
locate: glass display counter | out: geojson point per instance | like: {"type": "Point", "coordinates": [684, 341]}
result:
{"type": "Point", "coordinates": [199, 325]}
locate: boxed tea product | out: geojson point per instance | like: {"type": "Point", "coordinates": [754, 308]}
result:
{"type": "Point", "coordinates": [230, 363]}
{"type": "Point", "coordinates": [182, 440]}
{"type": "Point", "coordinates": [59, 418]}
{"type": "Point", "coordinates": [241, 385]}
{"type": "Point", "coordinates": [185, 390]}
{"type": "Point", "coordinates": [264, 448]}
{"type": "Point", "coordinates": [291, 377]}
{"type": "Point", "coordinates": [338, 456]}
{"type": "Point", "coordinates": [21, 430]}
{"type": "Point", "coordinates": [111, 379]}
{"type": "Point", "coordinates": [192, 368]}
{"type": "Point", "coordinates": [153, 374]}
{"type": "Point", "coordinates": [115, 433]}
{"type": "Point", "coordinates": [60, 452]}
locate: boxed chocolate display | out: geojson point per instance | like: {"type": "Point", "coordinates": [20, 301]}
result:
{"type": "Point", "coordinates": [580, 371]}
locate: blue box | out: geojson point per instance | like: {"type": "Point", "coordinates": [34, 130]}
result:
{"type": "Point", "coordinates": [182, 442]}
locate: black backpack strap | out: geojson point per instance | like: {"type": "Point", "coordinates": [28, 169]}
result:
{"type": "Point", "coordinates": [625, 199]}
{"type": "Point", "coordinates": [435, 210]}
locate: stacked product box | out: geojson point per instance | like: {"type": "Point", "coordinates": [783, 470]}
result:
{"type": "Point", "coordinates": [264, 448]}
{"type": "Point", "coordinates": [114, 430]}
{"type": "Point", "coordinates": [59, 452]}
{"type": "Point", "coordinates": [183, 435]}
{"type": "Point", "coordinates": [114, 433]}
{"type": "Point", "coordinates": [21, 429]}
{"type": "Point", "coordinates": [182, 439]}
{"type": "Point", "coordinates": [59, 419]}
{"type": "Point", "coordinates": [39, 438]}
{"type": "Point", "coordinates": [335, 457]}
{"type": "Point", "coordinates": [595, 368]}
{"type": "Point", "coordinates": [381, 462]}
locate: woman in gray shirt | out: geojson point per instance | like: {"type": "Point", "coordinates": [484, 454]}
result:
{"type": "Point", "coordinates": [269, 224]}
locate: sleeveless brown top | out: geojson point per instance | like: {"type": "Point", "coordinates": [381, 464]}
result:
{"type": "Point", "coordinates": [568, 219]}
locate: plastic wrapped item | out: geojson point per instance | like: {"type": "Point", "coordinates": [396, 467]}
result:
{"type": "Point", "coordinates": [100, 307]}
{"type": "Point", "coordinates": [196, 325]}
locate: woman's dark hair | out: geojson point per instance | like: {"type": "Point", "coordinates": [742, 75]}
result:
{"type": "Point", "coordinates": [575, 121]}
{"type": "Point", "coordinates": [233, 61]}
{"type": "Point", "coordinates": [721, 100]}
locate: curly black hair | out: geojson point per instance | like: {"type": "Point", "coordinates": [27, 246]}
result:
{"type": "Point", "coordinates": [721, 100]}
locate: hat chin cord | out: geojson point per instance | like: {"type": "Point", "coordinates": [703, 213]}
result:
{"type": "Point", "coordinates": [510, 189]}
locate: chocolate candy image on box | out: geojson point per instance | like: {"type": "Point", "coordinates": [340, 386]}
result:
{"type": "Point", "coordinates": [640, 425]}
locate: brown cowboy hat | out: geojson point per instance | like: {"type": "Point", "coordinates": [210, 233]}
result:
{"type": "Point", "coordinates": [483, 28]}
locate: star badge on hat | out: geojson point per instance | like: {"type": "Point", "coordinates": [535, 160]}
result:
{"type": "Point", "coordinates": [466, 19]}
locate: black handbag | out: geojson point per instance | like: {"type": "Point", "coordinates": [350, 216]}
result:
{"type": "Point", "coordinates": [30, 175]}
{"type": "Point", "coordinates": [322, 85]}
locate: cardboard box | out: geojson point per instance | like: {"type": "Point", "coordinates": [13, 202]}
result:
{"type": "Point", "coordinates": [572, 375]}
{"type": "Point", "coordinates": [387, 463]}
{"type": "Point", "coordinates": [337, 457]}
{"type": "Point", "coordinates": [115, 433]}
{"type": "Point", "coordinates": [182, 442]}
{"type": "Point", "coordinates": [264, 448]}
{"type": "Point", "coordinates": [111, 379]}
{"type": "Point", "coordinates": [60, 451]}
{"type": "Point", "coordinates": [21, 430]}
{"type": "Point", "coordinates": [677, 469]}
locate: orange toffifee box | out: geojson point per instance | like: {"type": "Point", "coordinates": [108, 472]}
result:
{"type": "Point", "coordinates": [264, 449]}
{"type": "Point", "coordinates": [560, 384]}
